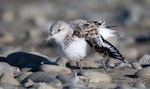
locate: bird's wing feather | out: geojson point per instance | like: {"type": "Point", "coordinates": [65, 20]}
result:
{"type": "Point", "coordinates": [104, 30]}
{"type": "Point", "coordinates": [89, 31]}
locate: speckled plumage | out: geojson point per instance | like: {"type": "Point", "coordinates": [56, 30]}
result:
{"type": "Point", "coordinates": [75, 40]}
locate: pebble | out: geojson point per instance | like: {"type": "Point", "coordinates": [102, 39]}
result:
{"type": "Point", "coordinates": [112, 63]}
{"type": "Point", "coordinates": [8, 79]}
{"type": "Point", "coordinates": [89, 64]}
{"type": "Point", "coordinates": [24, 59]}
{"type": "Point", "coordinates": [8, 86]}
{"type": "Point", "coordinates": [73, 64]}
{"type": "Point", "coordinates": [42, 77]}
{"type": "Point", "coordinates": [41, 86]}
{"type": "Point", "coordinates": [29, 83]}
{"type": "Point", "coordinates": [124, 86]}
{"type": "Point", "coordinates": [6, 68]}
{"type": "Point", "coordinates": [102, 85]}
{"type": "Point", "coordinates": [54, 69]}
{"type": "Point", "coordinates": [96, 77]}
{"type": "Point", "coordinates": [26, 69]}
{"type": "Point", "coordinates": [136, 65]}
{"type": "Point", "coordinates": [75, 87]}
{"type": "Point", "coordinates": [140, 85]}
{"type": "Point", "coordinates": [85, 64]}
{"type": "Point", "coordinates": [143, 73]}
{"type": "Point", "coordinates": [21, 76]}
{"type": "Point", "coordinates": [62, 61]}
{"type": "Point", "coordinates": [145, 60]}
{"type": "Point", "coordinates": [64, 78]}
{"type": "Point", "coordinates": [126, 65]}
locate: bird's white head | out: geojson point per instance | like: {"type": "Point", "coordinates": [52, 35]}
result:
{"type": "Point", "coordinates": [59, 30]}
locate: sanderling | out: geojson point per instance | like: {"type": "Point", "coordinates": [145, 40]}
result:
{"type": "Point", "coordinates": [76, 39]}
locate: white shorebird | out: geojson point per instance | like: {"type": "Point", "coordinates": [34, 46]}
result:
{"type": "Point", "coordinates": [76, 39]}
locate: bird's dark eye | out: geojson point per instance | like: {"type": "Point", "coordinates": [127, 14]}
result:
{"type": "Point", "coordinates": [58, 29]}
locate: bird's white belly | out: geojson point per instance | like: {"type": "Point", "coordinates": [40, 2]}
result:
{"type": "Point", "coordinates": [77, 50]}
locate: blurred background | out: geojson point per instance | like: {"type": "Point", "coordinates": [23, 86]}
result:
{"type": "Point", "coordinates": [24, 24]}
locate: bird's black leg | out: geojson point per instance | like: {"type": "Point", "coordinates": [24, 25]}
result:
{"type": "Point", "coordinates": [103, 62]}
{"type": "Point", "coordinates": [80, 65]}
{"type": "Point", "coordinates": [80, 71]}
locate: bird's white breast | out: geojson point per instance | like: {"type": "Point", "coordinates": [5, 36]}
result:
{"type": "Point", "coordinates": [78, 49]}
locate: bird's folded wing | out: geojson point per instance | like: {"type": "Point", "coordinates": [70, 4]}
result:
{"type": "Point", "coordinates": [89, 31]}
{"type": "Point", "coordinates": [104, 47]}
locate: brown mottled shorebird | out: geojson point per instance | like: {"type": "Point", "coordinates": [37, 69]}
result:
{"type": "Point", "coordinates": [76, 39]}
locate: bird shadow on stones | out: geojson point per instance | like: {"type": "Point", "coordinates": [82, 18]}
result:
{"type": "Point", "coordinates": [78, 67]}
{"type": "Point", "coordinates": [27, 60]}
{"type": "Point", "coordinates": [145, 65]}
{"type": "Point", "coordinates": [131, 76]}
{"type": "Point", "coordinates": [2, 59]}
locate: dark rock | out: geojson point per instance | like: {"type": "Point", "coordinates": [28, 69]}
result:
{"type": "Point", "coordinates": [42, 77]}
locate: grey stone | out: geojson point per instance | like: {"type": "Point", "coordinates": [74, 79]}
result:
{"type": "Point", "coordinates": [75, 87]}
{"type": "Point", "coordinates": [124, 86]}
{"type": "Point", "coordinates": [6, 68]}
{"type": "Point", "coordinates": [62, 61]}
{"type": "Point", "coordinates": [140, 85]}
{"type": "Point", "coordinates": [8, 79]}
{"type": "Point", "coordinates": [102, 85]}
{"type": "Point", "coordinates": [54, 69]}
{"type": "Point", "coordinates": [89, 64]}
{"type": "Point", "coordinates": [42, 77]}
{"type": "Point", "coordinates": [21, 76]}
{"type": "Point", "coordinates": [145, 60]}
{"type": "Point", "coordinates": [125, 65]}
{"type": "Point", "coordinates": [41, 86]}
{"type": "Point", "coordinates": [64, 78]}
{"type": "Point", "coordinates": [26, 69]}
{"type": "Point", "coordinates": [8, 86]}
{"type": "Point", "coordinates": [96, 77]}
{"type": "Point", "coordinates": [112, 63]}
{"type": "Point", "coordinates": [136, 65]}
{"type": "Point", "coordinates": [143, 73]}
